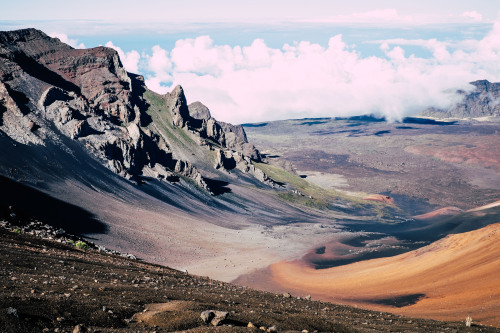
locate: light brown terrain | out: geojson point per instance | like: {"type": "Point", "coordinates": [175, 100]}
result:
{"type": "Point", "coordinates": [445, 211]}
{"type": "Point", "coordinates": [424, 165]}
{"type": "Point", "coordinates": [447, 280]}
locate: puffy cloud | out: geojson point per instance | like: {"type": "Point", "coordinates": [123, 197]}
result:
{"type": "Point", "coordinates": [130, 60]}
{"type": "Point", "coordinates": [65, 39]}
{"type": "Point", "coordinates": [257, 82]}
{"type": "Point", "coordinates": [439, 49]}
{"type": "Point", "coordinates": [160, 65]}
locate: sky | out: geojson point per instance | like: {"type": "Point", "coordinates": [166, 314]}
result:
{"type": "Point", "coordinates": [259, 60]}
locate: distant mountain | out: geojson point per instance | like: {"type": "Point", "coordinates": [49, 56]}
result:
{"type": "Point", "coordinates": [483, 101]}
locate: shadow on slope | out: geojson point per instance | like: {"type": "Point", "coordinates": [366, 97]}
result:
{"type": "Point", "coordinates": [27, 202]}
{"type": "Point", "coordinates": [425, 121]}
{"type": "Point", "coordinates": [217, 187]}
{"type": "Point", "coordinates": [398, 301]}
{"type": "Point", "coordinates": [407, 120]}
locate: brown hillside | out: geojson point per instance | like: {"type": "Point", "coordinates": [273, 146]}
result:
{"type": "Point", "coordinates": [447, 280]}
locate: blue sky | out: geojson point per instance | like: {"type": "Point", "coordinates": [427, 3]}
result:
{"type": "Point", "coordinates": [264, 60]}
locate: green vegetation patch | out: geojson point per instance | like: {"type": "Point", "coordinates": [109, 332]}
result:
{"type": "Point", "coordinates": [312, 195]}
{"type": "Point", "coordinates": [82, 245]}
{"type": "Point", "coordinates": [162, 122]}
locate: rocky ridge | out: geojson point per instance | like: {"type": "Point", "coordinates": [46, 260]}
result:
{"type": "Point", "coordinates": [48, 88]}
{"type": "Point", "coordinates": [482, 101]}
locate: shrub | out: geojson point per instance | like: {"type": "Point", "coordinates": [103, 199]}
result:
{"type": "Point", "coordinates": [81, 245]}
{"type": "Point", "coordinates": [468, 321]}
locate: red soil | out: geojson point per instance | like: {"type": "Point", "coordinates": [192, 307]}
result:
{"type": "Point", "coordinates": [447, 280]}
{"type": "Point", "coordinates": [381, 198]}
{"type": "Point", "coordinates": [477, 152]}
{"type": "Point", "coordinates": [445, 211]}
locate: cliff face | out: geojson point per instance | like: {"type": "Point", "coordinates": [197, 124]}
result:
{"type": "Point", "coordinates": [483, 101]}
{"type": "Point", "coordinates": [30, 56]}
{"type": "Point", "coordinates": [48, 89]}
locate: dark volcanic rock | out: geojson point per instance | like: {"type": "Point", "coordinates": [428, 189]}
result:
{"type": "Point", "coordinates": [87, 95]}
{"type": "Point", "coordinates": [97, 74]}
{"type": "Point", "coordinates": [483, 101]}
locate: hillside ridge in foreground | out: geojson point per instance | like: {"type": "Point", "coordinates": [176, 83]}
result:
{"type": "Point", "coordinates": [101, 293]}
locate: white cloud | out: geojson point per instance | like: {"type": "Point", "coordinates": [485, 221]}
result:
{"type": "Point", "coordinates": [473, 15]}
{"type": "Point", "coordinates": [130, 60]}
{"type": "Point", "coordinates": [438, 49]}
{"type": "Point", "coordinates": [65, 39]}
{"type": "Point", "coordinates": [160, 65]}
{"type": "Point", "coordinates": [258, 83]}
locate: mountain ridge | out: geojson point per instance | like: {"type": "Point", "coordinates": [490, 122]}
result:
{"type": "Point", "coordinates": [88, 96]}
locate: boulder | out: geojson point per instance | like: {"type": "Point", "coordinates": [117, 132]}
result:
{"type": "Point", "coordinates": [177, 105]}
{"type": "Point", "coordinates": [214, 317]}
{"type": "Point", "coordinates": [199, 111]}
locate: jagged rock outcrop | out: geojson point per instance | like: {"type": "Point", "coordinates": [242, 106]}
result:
{"type": "Point", "coordinates": [177, 105]}
{"type": "Point", "coordinates": [87, 96]}
{"type": "Point", "coordinates": [14, 122]}
{"type": "Point", "coordinates": [483, 101]}
{"type": "Point", "coordinates": [67, 111]}
{"type": "Point", "coordinates": [49, 89]}
{"type": "Point", "coordinates": [232, 137]}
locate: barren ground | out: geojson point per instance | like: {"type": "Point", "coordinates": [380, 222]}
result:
{"type": "Point", "coordinates": [422, 164]}
{"type": "Point", "coordinates": [54, 287]}
{"type": "Point", "coordinates": [449, 279]}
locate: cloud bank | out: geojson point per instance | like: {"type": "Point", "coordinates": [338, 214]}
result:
{"type": "Point", "coordinates": [257, 83]}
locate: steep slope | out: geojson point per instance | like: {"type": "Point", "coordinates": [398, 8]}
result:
{"type": "Point", "coordinates": [448, 280]}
